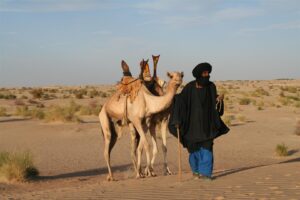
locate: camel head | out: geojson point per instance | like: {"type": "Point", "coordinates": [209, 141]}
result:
{"type": "Point", "coordinates": [176, 78]}
{"type": "Point", "coordinates": [145, 71]}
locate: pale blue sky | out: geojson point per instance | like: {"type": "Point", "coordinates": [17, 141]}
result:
{"type": "Point", "coordinates": [74, 42]}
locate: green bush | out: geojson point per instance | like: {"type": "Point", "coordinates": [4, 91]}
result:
{"type": "Point", "coordinates": [17, 167]}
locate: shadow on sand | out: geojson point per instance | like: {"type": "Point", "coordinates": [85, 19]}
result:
{"type": "Point", "coordinates": [126, 167]}
{"type": "Point", "coordinates": [13, 119]}
{"type": "Point", "coordinates": [232, 171]}
{"type": "Point", "coordinates": [86, 173]}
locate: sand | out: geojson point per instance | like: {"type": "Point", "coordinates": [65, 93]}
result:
{"type": "Point", "coordinates": [70, 159]}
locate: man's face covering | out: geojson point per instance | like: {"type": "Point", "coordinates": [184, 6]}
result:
{"type": "Point", "coordinates": [203, 79]}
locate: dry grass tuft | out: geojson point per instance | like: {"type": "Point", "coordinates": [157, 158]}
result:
{"type": "Point", "coordinates": [3, 112]}
{"type": "Point", "coordinates": [297, 131]}
{"type": "Point", "coordinates": [63, 114]}
{"type": "Point", "coordinates": [281, 150]}
{"type": "Point", "coordinates": [16, 167]}
{"type": "Point", "coordinates": [244, 101]}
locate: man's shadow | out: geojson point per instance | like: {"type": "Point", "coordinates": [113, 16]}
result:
{"type": "Point", "coordinates": [233, 171]}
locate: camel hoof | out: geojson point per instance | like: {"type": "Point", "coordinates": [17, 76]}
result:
{"type": "Point", "coordinates": [153, 174]}
{"type": "Point", "coordinates": [168, 172]}
{"type": "Point", "coordinates": [110, 178]}
{"type": "Point", "coordinates": [140, 175]}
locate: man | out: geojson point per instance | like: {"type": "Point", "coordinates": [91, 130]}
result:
{"type": "Point", "coordinates": [196, 111]}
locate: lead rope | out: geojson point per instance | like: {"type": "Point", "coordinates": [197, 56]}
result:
{"type": "Point", "coordinates": [125, 117]}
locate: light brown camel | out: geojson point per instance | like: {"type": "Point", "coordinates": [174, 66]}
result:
{"type": "Point", "coordinates": [139, 112]}
{"type": "Point", "coordinates": [159, 120]}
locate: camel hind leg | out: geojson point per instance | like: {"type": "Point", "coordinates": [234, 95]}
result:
{"type": "Point", "coordinates": [164, 129]}
{"type": "Point", "coordinates": [135, 137]}
{"type": "Point", "coordinates": [154, 148]}
{"type": "Point", "coordinates": [110, 138]}
{"type": "Point", "coordinates": [143, 143]}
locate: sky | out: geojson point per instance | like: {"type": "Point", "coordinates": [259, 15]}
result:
{"type": "Point", "coordinates": [78, 42]}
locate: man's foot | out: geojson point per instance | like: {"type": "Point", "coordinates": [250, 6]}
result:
{"type": "Point", "coordinates": [196, 176]}
{"type": "Point", "coordinates": [206, 178]}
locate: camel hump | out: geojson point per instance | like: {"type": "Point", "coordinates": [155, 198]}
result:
{"type": "Point", "coordinates": [129, 87]}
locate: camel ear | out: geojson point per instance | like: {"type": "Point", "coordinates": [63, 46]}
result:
{"type": "Point", "coordinates": [142, 65]}
{"type": "Point", "coordinates": [169, 75]}
{"type": "Point", "coordinates": [125, 67]}
{"type": "Point", "coordinates": [182, 74]}
{"type": "Point", "coordinates": [155, 61]}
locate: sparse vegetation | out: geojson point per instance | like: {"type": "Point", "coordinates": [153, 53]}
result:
{"type": "Point", "coordinates": [3, 112]}
{"type": "Point", "coordinates": [19, 102]}
{"type": "Point", "coordinates": [228, 119]}
{"type": "Point", "coordinates": [282, 150]}
{"type": "Point", "coordinates": [37, 93]}
{"type": "Point", "coordinates": [241, 118]}
{"type": "Point", "coordinates": [35, 113]}
{"type": "Point", "coordinates": [244, 101]}
{"type": "Point", "coordinates": [63, 114]}
{"type": "Point", "coordinates": [7, 96]}
{"type": "Point", "coordinates": [16, 167]}
{"type": "Point", "coordinates": [297, 130]}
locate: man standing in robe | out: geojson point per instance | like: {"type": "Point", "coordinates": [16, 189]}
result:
{"type": "Point", "coordinates": [196, 111]}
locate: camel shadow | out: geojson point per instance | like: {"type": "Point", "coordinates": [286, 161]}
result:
{"type": "Point", "coordinates": [86, 173]}
{"type": "Point", "coordinates": [233, 171]}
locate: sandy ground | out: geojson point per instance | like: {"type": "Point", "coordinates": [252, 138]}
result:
{"type": "Point", "coordinates": [70, 159]}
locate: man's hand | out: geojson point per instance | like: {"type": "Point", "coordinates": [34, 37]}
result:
{"type": "Point", "coordinates": [220, 97]}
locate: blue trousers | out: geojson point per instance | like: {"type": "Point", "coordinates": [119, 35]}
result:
{"type": "Point", "coordinates": [202, 162]}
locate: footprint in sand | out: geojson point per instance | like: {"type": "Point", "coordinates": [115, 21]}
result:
{"type": "Point", "coordinates": [219, 198]}
{"type": "Point", "coordinates": [278, 192]}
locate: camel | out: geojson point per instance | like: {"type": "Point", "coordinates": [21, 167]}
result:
{"type": "Point", "coordinates": [155, 86]}
{"type": "Point", "coordinates": [139, 112]}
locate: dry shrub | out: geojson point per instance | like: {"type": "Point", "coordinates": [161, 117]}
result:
{"type": "Point", "coordinates": [19, 102]}
{"type": "Point", "coordinates": [7, 96]}
{"type": "Point", "coordinates": [260, 108]}
{"type": "Point", "coordinates": [244, 101]}
{"type": "Point", "coordinates": [3, 112]}
{"type": "Point", "coordinates": [17, 167]}
{"type": "Point", "coordinates": [22, 111]}
{"type": "Point", "coordinates": [37, 93]}
{"type": "Point", "coordinates": [228, 119]}
{"type": "Point", "coordinates": [241, 118]}
{"type": "Point", "coordinates": [297, 131]}
{"type": "Point", "coordinates": [90, 110]}
{"type": "Point", "coordinates": [35, 113]}
{"type": "Point", "coordinates": [290, 89]}
{"type": "Point", "coordinates": [261, 92]}
{"type": "Point", "coordinates": [24, 97]}
{"type": "Point", "coordinates": [63, 114]}
{"type": "Point", "coordinates": [281, 150]}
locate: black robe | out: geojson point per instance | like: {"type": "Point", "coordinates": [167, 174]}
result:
{"type": "Point", "coordinates": [195, 111]}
